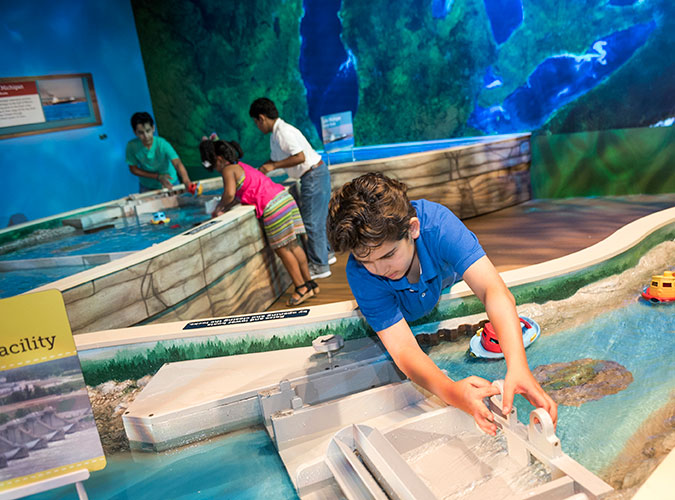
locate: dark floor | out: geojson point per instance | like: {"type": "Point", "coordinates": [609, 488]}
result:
{"type": "Point", "coordinates": [526, 234]}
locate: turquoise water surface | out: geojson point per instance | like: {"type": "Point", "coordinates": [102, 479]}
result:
{"type": "Point", "coordinates": [19, 281]}
{"type": "Point", "coordinates": [376, 152]}
{"type": "Point", "coordinates": [639, 336]}
{"type": "Point", "coordinates": [130, 236]}
{"type": "Point", "coordinates": [245, 465]}
{"type": "Point", "coordinates": [240, 466]}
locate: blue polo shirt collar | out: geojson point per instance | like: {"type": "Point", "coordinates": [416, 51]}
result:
{"type": "Point", "coordinates": [429, 271]}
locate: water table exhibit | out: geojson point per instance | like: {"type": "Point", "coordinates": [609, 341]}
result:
{"type": "Point", "coordinates": [192, 380]}
{"type": "Point", "coordinates": [116, 268]}
{"type": "Point", "coordinates": [336, 419]}
{"type": "Point", "coordinates": [330, 416]}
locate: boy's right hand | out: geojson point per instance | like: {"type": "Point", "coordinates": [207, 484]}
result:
{"type": "Point", "coordinates": [267, 167]}
{"type": "Point", "coordinates": [165, 181]}
{"type": "Point", "coordinates": [468, 395]}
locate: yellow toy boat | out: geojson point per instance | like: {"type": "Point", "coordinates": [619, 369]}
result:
{"type": "Point", "coordinates": [661, 289]}
{"type": "Point", "coordinates": [160, 218]}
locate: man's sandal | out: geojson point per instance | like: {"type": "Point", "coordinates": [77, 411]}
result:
{"type": "Point", "coordinates": [309, 292]}
{"type": "Point", "coordinates": [312, 284]}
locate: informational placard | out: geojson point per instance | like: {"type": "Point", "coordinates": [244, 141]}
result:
{"type": "Point", "coordinates": [20, 104]}
{"type": "Point", "coordinates": [47, 427]}
{"type": "Point", "coordinates": [337, 131]}
{"type": "Point", "coordinates": [247, 318]}
{"type": "Point", "coordinates": [33, 105]}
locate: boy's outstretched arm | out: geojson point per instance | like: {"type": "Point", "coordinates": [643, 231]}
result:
{"type": "Point", "coordinates": [484, 280]}
{"type": "Point", "coordinates": [182, 171]}
{"type": "Point", "coordinates": [466, 394]}
{"type": "Point", "coordinates": [139, 172]}
{"type": "Point", "coordinates": [288, 162]}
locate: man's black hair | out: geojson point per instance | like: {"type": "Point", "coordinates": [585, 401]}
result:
{"type": "Point", "coordinates": [141, 118]}
{"type": "Point", "coordinates": [263, 106]}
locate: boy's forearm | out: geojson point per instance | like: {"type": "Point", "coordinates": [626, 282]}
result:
{"type": "Point", "coordinates": [501, 311]}
{"type": "Point", "coordinates": [423, 371]}
{"type": "Point", "coordinates": [289, 162]}
{"type": "Point", "coordinates": [419, 368]}
{"type": "Point", "coordinates": [500, 306]}
{"type": "Point", "coordinates": [466, 394]}
{"type": "Point", "coordinates": [182, 171]}
{"type": "Point", "coordinates": [139, 172]}
{"type": "Point", "coordinates": [413, 362]}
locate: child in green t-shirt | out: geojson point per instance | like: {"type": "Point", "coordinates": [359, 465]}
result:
{"type": "Point", "coordinates": [151, 158]}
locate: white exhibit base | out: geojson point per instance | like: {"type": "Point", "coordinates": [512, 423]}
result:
{"type": "Point", "coordinates": [49, 484]}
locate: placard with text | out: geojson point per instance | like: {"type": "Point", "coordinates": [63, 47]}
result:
{"type": "Point", "coordinates": [47, 426]}
{"type": "Point", "coordinates": [33, 105]}
{"type": "Point", "coordinates": [337, 131]}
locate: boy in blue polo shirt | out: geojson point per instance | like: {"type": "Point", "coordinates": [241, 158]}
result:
{"type": "Point", "coordinates": [402, 255]}
{"type": "Point", "coordinates": [152, 159]}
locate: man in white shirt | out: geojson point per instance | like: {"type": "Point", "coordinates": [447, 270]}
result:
{"type": "Point", "coordinates": [290, 150]}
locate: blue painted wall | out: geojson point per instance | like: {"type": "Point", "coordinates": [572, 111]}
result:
{"type": "Point", "coordinates": [54, 172]}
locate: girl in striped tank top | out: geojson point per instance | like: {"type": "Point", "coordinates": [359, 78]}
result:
{"type": "Point", "coordinates": [273, 205]}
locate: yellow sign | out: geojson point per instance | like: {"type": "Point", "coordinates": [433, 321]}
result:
{"type": "Point", "coordinates": [34, 329]}
{"type": "Point", "coordinates": [45, 413]}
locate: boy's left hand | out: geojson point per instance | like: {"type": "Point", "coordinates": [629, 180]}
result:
{"type": "Point", "coordinates": [521, 381]}
{"type": "Point", "coordinates": [266, 168]}
{"type": "Point", "coordinates": [468, 396]}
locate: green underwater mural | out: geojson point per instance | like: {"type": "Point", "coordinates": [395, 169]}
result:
{"type": "Point", "coordinates": [606, 162]}
{"type": "Point", "coordinates": [418, 76]}
{"type": "Point", "coordinates": [207, 60]}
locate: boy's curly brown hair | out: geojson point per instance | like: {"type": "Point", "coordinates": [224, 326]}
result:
{"type": "Point", "coordinates": [368, 211]}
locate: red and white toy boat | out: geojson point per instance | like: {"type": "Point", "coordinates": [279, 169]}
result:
{"type": "Point", "coordinates": [486, 345]}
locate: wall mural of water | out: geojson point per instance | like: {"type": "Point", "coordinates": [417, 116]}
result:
{"type": "Point", "coordinates": [559, 80]}
{"type": "Point", "coordinates": [505, 17]}
{"type": "Point", "coordinates": [328, 69]}
{"type": "Point", "coordinates": [595, 163]}
{"type": "Point", "coordinates": [419, 70]}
